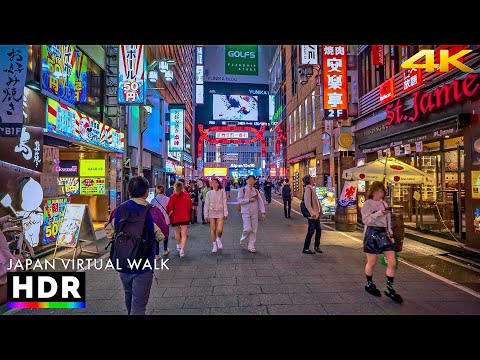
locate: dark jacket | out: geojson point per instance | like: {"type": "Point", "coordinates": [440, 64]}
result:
{"type": "Point", "coordinates": [169, 191]}
{"type": "Point", "coordinates": [286, 192]}
{"type": "Point", "coordinates": [267, 187]}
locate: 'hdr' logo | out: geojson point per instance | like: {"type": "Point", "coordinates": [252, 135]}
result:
{"type": "Point", "coordinates": [242, 54]}
{"type": "Point", "coordinates": [46, 290]}
{"type": "Point", "coordinates": [446, 62]}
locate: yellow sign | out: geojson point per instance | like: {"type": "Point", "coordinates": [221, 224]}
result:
{"type": "Point", "coordinates": [445, 61]}
{"type": "Point", "coordinates": [475, 184]}
{"type": "Point", "coordinates": [92, 168]}
{"type": "Point", "coordinates": [215, 171]}
{"type": "Point", "coordinates": [345, 140]}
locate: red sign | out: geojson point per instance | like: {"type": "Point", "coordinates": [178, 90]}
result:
{"type": "Point", "coordinates": [273, 172]}
{"type": "Point", "coordinates": [335, 100]}
{"type": "Point", "coordinates": [377, 55]}
{"type": "Point", "coordinates": [386, 91]}
{"type": "Point", "coordinates": [426, 103]}
{"type": "Point", "coordinates": [412, 78]}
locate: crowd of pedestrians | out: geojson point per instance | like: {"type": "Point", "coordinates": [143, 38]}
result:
{"type": "Point", "coordinates": [140, 226]}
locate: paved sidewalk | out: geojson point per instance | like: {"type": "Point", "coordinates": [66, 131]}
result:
{"type": "Point", "coordinates": [278, 279]}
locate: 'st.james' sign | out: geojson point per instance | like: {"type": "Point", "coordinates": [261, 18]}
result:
{"type": "Point", "coordinates": [426, 103]}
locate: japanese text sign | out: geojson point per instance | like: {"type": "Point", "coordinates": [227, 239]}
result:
{"type": "Point", "coordinates": [89, 167]}
{"type": "Point", "coordinates": [92, 186]}
{"type": "Point", "coordinates": [13, 73]}
{"type": "Point", "coordinates": [177, 129]}
{"type": "Point", "coordinates": [412, 78]}
{"type": "Point", "coordinates": [377, 55]}
{"type": "Point", "coordinates": [59, 71]}
{"type": "Point", "coordinates": [25, 151]}
{"type": "Point", "coordinates": [131, 74]}
{"type": "Point", "coordinates": [53, 213]}
{"type": "Point", "coordinates": [335, 80]}
{"type": "Point", "coordinates": [65, 121]}
{"type": "Point", "coordinates": [386, 91]}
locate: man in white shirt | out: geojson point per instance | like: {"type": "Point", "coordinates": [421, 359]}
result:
{"type": "Point", "coordinates": [250, 202]}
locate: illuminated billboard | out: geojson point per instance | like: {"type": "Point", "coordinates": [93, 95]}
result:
{"type": "Point", "coordinates": [235, 107]}
{"type": "Point", "coordinates": [92, 167]}
{"type": "Point", "coordinates": [215, 171]}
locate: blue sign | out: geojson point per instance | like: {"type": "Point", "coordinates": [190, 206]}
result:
{"type": "Point", "coordinates": [13, 73]}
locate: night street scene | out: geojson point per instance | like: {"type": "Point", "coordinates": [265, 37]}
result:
{"type": "Point", "coordinates": [240, 179]}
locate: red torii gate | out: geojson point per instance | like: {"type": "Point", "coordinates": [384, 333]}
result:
{"type": "Point", "coordinates": [204, 136]}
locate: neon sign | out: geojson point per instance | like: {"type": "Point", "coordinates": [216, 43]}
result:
{"type": "Point", "coordinates": [426, 103]}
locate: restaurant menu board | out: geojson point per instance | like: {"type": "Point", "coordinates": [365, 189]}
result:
{"type": "Point", "coordinates": [92, 186]}
{"type": "Point", "coordinates": [326, 196]}
{"type": "Point", "coordinates": [53, 213]}
{"type": "Point", "coordinates": [92, 167]}
{"type": "Point", "coordinates": [72, 222]}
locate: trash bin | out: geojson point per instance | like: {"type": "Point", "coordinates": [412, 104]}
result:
{"type": "Point", "coordinates": [398, 228]}
{"type": "Point", "coordinates": [346, 218]}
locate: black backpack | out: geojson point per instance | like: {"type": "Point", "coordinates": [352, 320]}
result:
{"type": "Point", "coordinates": [303, 207]}
{"type": "Point", "coordinates": [131, 242]}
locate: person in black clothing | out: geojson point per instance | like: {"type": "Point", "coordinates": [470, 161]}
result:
{"type": "Point", "coordinates": [287, 198]}
{"type": "Point", "coordinates": [194, 195]}
{"type": "Point", "coordinates": [267, 187]}
{"type": "Point", "coordinates": [169, 191]}
{"type": "Point", "coordinates": [257, 184]}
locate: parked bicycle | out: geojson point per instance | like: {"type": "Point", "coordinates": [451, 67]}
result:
{"type": "Point", "coordinates": [13, 231]}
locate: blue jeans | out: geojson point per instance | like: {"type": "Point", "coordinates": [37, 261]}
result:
{"type": "Point", "coordinates": [137, 291]}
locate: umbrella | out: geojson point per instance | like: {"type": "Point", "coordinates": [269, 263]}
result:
{"type": "Point", "coordinates": [389, 169]}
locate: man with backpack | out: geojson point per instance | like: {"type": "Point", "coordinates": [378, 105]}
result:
{"type": "Point", "coordinates": [250, 201]}
{"type": "Point", "coordinates": [287, 198]}
{"type": "Point", "coordinates": [311, 209]}
{"type": "Point", "coordinates": [139, 227]}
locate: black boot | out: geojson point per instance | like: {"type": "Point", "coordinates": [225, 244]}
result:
{"type": "Point", "coordinates": [390, 291]}
{"type": "Point", "coordinates": [372, 289]}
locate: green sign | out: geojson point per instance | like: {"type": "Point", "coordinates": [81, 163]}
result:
{"type": "Point", "coordinates": [241, 59]}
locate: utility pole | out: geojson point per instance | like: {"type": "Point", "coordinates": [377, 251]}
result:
{"type": "Point", "coordinates": [142, 126]}
{"type": "Point", "coordinates": [329, 126]}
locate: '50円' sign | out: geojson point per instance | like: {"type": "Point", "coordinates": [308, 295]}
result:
{"type": "Point", "coordinates": [131, 74]}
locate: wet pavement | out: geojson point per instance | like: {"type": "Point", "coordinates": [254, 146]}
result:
{"type": "Point", "coordinates": [279, 279]}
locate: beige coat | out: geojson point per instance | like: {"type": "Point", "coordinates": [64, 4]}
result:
{"type": "Point", "coordinates": [311, 201]}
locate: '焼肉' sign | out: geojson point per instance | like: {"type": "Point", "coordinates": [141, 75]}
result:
{"type": "Point", "coordinates": [131, 74]}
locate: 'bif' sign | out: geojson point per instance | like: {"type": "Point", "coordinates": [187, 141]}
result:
{"type": "Point", "coordinates": [46, 290]}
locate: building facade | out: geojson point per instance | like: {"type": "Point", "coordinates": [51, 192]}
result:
{"type": "Point", "coordinates": [428, 120]}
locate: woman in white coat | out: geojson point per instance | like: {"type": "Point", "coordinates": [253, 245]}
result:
{"type": "Point", "coordinates": [216, 211]}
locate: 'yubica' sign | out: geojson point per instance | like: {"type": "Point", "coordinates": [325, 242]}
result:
{"type": "Point", "coordinates": [426, 103]}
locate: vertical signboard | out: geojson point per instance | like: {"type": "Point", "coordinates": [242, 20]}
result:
{"type": "Point", "coordinates": [412, 78]}
{"type": "Point", "coordinates": [177, 127]}
{"type": "Point", "coordinates": [13, 73]}
{"type": "Point", "coordinates": [377, 55]}
{"type": "Point", "coordinates": [241, 59]}
{"type": "Point", "coordinates": [53, 212]}
{"type": "Point", "coordinates": [335, 101]}
{"type": "Point", "coordinates": [131, 74]}
{"type": "Point", "coordinates": [309, 55]}
{"type": "Point", "coordinates": [25, 151]}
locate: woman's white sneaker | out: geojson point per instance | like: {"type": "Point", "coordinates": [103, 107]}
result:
{"type": "Point", "coordinates": [182, 253]}
{"type": "Point", "coordinates": [219, 243]}
{"type": "Point", "coordinates": [214, 249]}
{"type": "Point", "coordinates": [178, 248]}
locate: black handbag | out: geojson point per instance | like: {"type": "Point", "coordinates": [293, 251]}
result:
{"type": "Point", "coordinates": [383, 240]}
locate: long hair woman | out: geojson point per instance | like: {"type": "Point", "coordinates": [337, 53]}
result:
{"type": "Point", "coordinates": [205, 190]}
{"type": "Point", "coordinates": [161, 201]}
{"type": "Point", "coordinates": [378, 239]}
{"type": "Point", "coordinates": [179, 208]}
{"type": "Point", "coordinates": [216, 212]}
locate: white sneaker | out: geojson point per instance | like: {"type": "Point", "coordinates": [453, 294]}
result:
{"type": "Point", "coordinates": [214, 249]}
{"type": "Point", "coordinates": [178, 248]}
{"type": "Point", "coordinates": [182, 253]}
{"type": "Point", "coordinates": [219, 243]}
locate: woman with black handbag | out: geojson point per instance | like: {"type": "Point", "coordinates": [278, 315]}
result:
{"type": "Point", "coordinates": [378, 239]}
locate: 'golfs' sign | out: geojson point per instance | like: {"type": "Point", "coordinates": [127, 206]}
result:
{"type": "Point", "coordinates": [131, 74]}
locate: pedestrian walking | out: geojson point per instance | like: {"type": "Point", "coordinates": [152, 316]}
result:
{"type": "Point", "coordinates": [378, 239]}
{"type": "Point", "coordinates": [203, 195]}
{"type": "Point", "coordinates": [257, 183]}
{"type": "Point", "coordinates": [216, 212]}
{"type": "Point", "coordinates": [267, 188]}
{"type": "Point", "coordinates": [250, 202]}
{"type": "Point", "coordinates": [179, 208]}
{"type": "Point", "coordinates": [228, 187]}
{"type": "Point", "coordinates": [312, 204]}
{"type": "Point", "coordinates": [170, 190]}
{"type": "Point", "coordinates": [194, 195]}
{"type": "Point", "coordinates": [287, 198]}
{"type": "Point", "coordinates": [138, 227]}
{"type": "Point", "coordinates": [161, 201]}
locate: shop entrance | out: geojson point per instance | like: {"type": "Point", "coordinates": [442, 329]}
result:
{"type": "Point", "coordinates": [438, 205]}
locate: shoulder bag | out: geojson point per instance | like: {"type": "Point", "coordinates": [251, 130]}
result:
{"type": "Point", "coordinates": [303, 207]}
